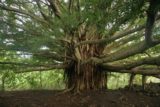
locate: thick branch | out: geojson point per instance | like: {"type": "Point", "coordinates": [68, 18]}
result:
{"type": "Point", "coordinates": [141, 72]}
{"type": "Point", "coordinates": [54, 6]}
{"type": "Point", "coordinates": [125, 52]}
{"type": "Point", "coordinates": [144, 61]}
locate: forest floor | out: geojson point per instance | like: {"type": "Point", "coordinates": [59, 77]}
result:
{"type": "Point", "coordinates": [109, 98]}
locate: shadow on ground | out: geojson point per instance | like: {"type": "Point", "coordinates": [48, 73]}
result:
{"type": "Point", "coordinates": [110, 98]}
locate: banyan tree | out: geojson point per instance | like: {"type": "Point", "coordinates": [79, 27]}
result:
{"type": "Point", "coordinates": [87, 39]}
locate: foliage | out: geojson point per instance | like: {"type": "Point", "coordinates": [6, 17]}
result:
{"type": "Point", "coordinates": [36, 80]}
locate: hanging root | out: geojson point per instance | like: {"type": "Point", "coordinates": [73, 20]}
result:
{"type": "Point", "coordinates": [131, 81]}
{"type": "Point", "coordinates": [144, 79]}
{"type": "Point", "coordinates": [132, 76]}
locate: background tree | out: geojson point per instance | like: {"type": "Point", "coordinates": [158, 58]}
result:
{"type": "Point", "coordinates": [85, 38]}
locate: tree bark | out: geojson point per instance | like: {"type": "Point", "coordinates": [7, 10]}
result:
{"type": "Point", "coordinates": [81, 76]}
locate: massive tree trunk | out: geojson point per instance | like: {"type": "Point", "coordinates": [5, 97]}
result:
{"type": "Point", "coordinates": [81, 76]}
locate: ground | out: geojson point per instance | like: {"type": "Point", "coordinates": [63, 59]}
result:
{"type": "Point", "coordinates": [99, 98]}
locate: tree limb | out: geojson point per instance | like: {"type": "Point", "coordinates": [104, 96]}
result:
{"type": "Point", "coordinates": [25, 64]}
{"type": "Point", "coordinates": [141, 72]}
{"type": "Point", "coordinates": [54, 6]}
{"type": "Point", "coordinates": [41, 69]}
{"type": "Point", "coordinates": [23, 12]}
{"type": "Point", "coordinates": [42, 13]}
{"type": "Point", "coordinates": [144, 61]}
{"type": "Point", "coordinates": [124, 53]}
{"type": "Point", "coordinates": [122, 42]}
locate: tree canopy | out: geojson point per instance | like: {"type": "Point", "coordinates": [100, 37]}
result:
{"type": "Point", "coordinates": [82, 37]}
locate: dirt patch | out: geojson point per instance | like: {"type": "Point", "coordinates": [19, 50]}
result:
{"type": "Point", "coordinates": [110, 98]}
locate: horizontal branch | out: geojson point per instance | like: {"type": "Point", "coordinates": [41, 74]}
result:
{"type": "Point", "coordinates": [144, 61]}
{"type": "Point", "coordinates": [31, 65]}
{"type": "Point", "coordinates": [141, 72]}
{"type": "Point", "coordinates": [53, 67]}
